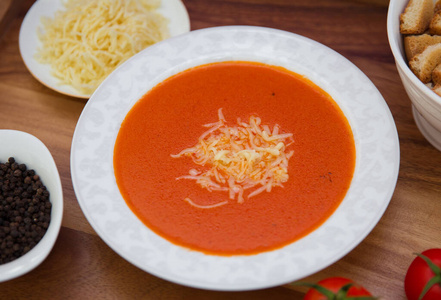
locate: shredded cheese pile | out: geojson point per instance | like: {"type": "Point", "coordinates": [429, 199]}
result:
{"type": "Point", "coordinates": [240, 157]}
{"type": "Point", "coordinates": [85, 42]}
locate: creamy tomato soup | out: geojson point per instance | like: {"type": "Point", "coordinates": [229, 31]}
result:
{"type": "Point", "coordinates": [249, 199]}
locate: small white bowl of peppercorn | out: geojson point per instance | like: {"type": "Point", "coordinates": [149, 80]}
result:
{"type": "Point", "coordinates": [31, 203]}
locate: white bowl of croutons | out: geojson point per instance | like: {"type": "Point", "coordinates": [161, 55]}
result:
{"type": "Point", "coordinates": [414, 33]}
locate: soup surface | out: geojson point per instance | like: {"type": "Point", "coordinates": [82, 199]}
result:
{"type": "Point", "coordinates": [171, 118]}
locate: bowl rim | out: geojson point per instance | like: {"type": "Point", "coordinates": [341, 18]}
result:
{"type": "Point", "coordinates": [38, 254]}
{"type": "Point", "coordinates": [394, 39]}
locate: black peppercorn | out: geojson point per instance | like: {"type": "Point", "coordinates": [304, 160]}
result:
{"type": "Point", "coordinates": [25, 210]}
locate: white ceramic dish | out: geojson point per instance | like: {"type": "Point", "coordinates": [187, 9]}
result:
{"type": "Point", "coordinates": [375, 177]}
{"type": "Point", "coordinates": [426, 105]}
{"type": "Point", "coordinates": [174, 10]}
{"type": "Point", "coordinates": [28, 149]}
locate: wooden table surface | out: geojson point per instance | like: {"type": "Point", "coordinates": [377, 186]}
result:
{"type": "Point", "coordinates": [82, 266]}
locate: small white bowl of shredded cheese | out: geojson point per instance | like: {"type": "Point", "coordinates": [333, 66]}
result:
{"type": "Point", "coordinates": [72, 46]}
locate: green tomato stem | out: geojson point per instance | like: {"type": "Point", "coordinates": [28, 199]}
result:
{"type": "Point", "coordinates": [340, 295]}
{"type": "Point", "coordinates": [434, 280]}
{"type": "Point", "coordinates": [321, 289]}
{"type": "Point", "coordinates": [358, 298]}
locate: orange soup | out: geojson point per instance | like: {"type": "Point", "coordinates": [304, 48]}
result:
{"type": "Point", "coordinates": [289, 162]}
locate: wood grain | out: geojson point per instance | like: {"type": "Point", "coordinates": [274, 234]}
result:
{"type": "Point", "coordinates": [82, 266]}
{"type": "Point", "coordinates": [8, 10]}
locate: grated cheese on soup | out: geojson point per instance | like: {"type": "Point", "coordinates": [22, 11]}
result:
{"type": "Point", "coordinates": [245, 156]}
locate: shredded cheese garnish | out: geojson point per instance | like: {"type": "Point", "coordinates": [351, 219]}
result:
{"type": "Point", "coordinates": [240, 157]}
{"type": "Point", "coordinates": [87, 40]}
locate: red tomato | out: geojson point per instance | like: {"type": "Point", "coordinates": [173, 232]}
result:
{"type": "Point", "coordinates": [420, 272]}
{"type": "Point", "coordinates": [334, 284]}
